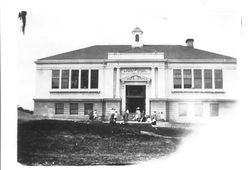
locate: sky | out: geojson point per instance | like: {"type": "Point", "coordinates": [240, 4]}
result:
{"type": "Point", "coordinates": [54, 27]}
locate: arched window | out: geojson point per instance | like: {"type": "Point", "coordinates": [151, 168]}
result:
{"type": "Point", "coordinates": [137, 38]}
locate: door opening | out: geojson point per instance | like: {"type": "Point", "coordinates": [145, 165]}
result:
{"type": "Point", "coordinates": [135, 97]}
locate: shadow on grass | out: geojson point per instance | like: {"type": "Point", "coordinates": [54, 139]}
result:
{"type": "Point", "coordinates": [54, 142]}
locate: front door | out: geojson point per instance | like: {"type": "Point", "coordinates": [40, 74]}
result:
{"type": "Point", "coordinates": [135, 97]}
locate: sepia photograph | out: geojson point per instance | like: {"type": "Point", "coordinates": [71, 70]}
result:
{"type": "Point", "coordinates": [124, 83]}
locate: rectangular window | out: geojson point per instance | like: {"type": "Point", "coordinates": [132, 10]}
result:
{"type": "Point", "coordinates": [55, 79]}
{"type": "Point", "coordinates": [65, 79]}
{"type": "Point", "coordinates": [218, 79]}
{"type": "Point", "coordinates": [74, 79]}
{"type": "Point", "coordinates": [84, 79]}
{"type": "Point", "coordinates": [73, 108]}
{"type": "Point", "coordinates": [208, 79]}
{"type": "Point", "coordinates": [214, 109]}
{"type": "Point", "coordinates": [197, 79]}
{"type": "Point", "coordinates": [88, 108]}
{"type": "Point", "coordinates": [198, 109]}
{"type": "Point", "coordinates": [177, 78]}
{"type": "Point", "coordinates": [59, 108]}
{"type": "Point", "coordinates": [183, 109]}
{"type": "Point", "coordinates": [187, 78]}
{"type": "Point", "coordinates": [94, 79]}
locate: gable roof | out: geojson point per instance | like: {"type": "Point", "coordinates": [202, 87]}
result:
{"type": "Point", "coordinates": [170, 52]}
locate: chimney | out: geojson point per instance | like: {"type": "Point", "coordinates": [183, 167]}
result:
{"type": "Point", "coordinates": [190, 43]}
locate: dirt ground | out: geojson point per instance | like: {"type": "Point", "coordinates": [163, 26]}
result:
{"type": "Point", "coordinates": [54, 142]}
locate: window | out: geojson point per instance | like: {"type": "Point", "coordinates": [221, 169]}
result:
{"type": "Point", "coordinates": [187, 78]}
{"type": "Point", "coordinates": [197, 79]}
{"type": "Point", "coordinates": [177, 78]}
{"type": "Point", "coordinates": [198, 109]}
{"type": "Point", "coordinates": [208, 79]}
{"type": "Point", "coordinates": [65, 79]}
{"type": "Point", "coordinates": [94, 79]}
{"type": "Point", "coordinates": [84, 79]}
{"type": "Point", "coordinates": [182, 109]}
{"type": "Point", "coordinates": [74, 79]}
{"type": "Point", "coordinates": [214, 109]}
{"type": "Point", "coordinates": [137, 38]}
{"type": "Point", "coordinates": [55, 79]}
{"type": "Point", "coordinates": [59, 108]}
{"type": "Point", "coordinates": [73, 108]}
{"type": "Point", "coordinates": [218, 79]}
{"type": "Point", "coordinates": [88, 108]}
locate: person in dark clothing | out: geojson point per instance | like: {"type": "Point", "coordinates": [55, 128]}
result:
{"type": "Point", "coordinates": [153, 122]}
{"type": "Point", "coordinates": [112, 119]}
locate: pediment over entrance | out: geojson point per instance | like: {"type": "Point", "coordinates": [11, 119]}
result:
{"type": "Point", "coordinates": [135, 78]}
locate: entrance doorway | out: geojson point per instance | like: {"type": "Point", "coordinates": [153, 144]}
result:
{"type": "Point", "coordinates": [135, 97]}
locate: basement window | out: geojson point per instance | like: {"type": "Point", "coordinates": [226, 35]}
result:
{"type": "Point", "coordinates": [59, 108]}
{"type": "Point", "coordinates": [183, 109]}
{"type": "Point", "coordinates": [73, 108]}
{"type": "Point", "coordinates": [88, 108]}
{"type": "Point", "coordinates": [198, 109]}
{"type": "Point", "coordinates": [214, 109]}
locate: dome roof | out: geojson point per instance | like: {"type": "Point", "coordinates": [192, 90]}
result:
{"type": "Point", "coordinates": [137, 29]}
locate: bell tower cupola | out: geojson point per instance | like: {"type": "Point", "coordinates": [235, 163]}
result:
{"type": "Point", "coordinates": [137, 37]}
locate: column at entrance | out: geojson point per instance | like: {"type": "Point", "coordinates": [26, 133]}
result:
{"type": "Point", "coordinates": [152, 82]}
{"type": "Point", "coordinates": [147, 100]}
{"type": "Point", "coordinates": [118, 83]}
{"type": "Point", "coordinates": [123, 90]}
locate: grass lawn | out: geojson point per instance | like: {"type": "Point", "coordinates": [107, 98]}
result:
{"type": "Point", "coordinates": [55, 142]}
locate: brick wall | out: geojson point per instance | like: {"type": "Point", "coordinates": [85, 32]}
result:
{"type": "Point", "coordinates": [47, 109]}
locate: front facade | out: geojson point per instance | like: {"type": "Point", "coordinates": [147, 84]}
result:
{"type": "Point", "coordinates": [172, 82]}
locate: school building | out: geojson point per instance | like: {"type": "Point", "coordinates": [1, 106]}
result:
{"type": "Point", "coordinates": [183, 83]}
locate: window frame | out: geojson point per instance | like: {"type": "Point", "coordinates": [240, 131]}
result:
{"type": "Point", "coordinates": [85, 108]}
{"type": "Point", "coordinates": [187, 78]}
{"type": "Point", "coordinates": [218, 79]}
{"type": "Point", "coordinates": [92, 80]}
{"type": "Point", "coordinates": [137, 38]}
{"type": "Point", "coordinates": [179, 77]}
{"type": "Point", "coordinates": [208, 79]}
{"type": "Point", "coordinates": [196, 78]}
{"type": "Point", "coordinates": [57, 108]}
{"type": "Point", "coordinates": [72, 110]}
{"type": "Point", "coordinates": [196, 113]}
{"type": "Point", "coordinates": [185, 110]}
{"type": "Point", "coordinates": [75, 85]}
{"type": "Point", "coordinates": [212, 114]}
{"type": "Point", "coordinates": [63, 78]}
{"type": "Point", "coordinates": [53, 77]}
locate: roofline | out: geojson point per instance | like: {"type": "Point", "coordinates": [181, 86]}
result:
{"type": "Point", "coordinates": [229, 61]}
{"type": "Point", "coordinates": [101, 61]}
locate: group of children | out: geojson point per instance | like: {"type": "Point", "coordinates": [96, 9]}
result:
{"type": "Point", "coordinates": [140, 117]}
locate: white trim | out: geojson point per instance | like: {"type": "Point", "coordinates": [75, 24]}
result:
{"type": "Point", "coordinates": [89, 78]}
